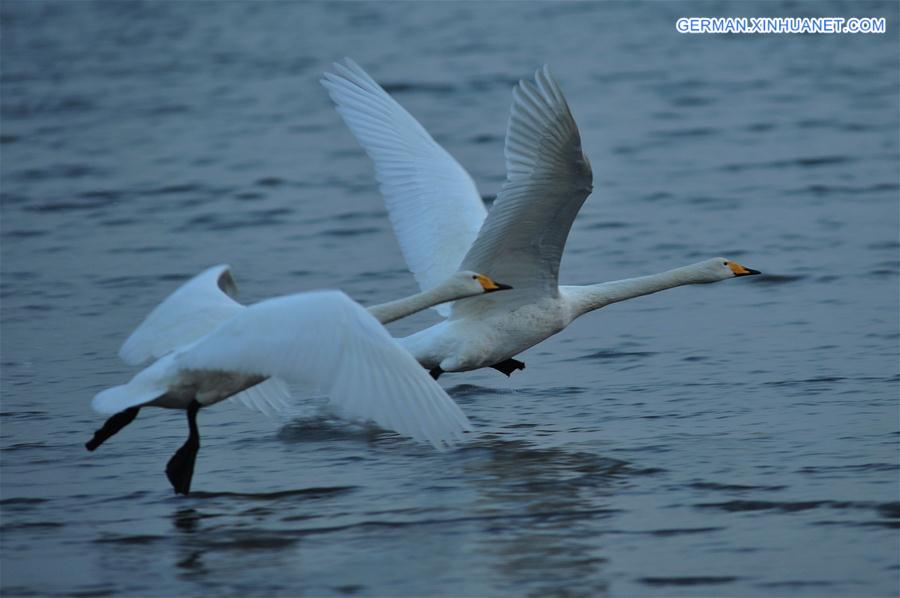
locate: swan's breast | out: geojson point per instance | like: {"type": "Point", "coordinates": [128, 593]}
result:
{"type": "Point", "coordinates": [499, 335]}
{"type": "Point", "coordinates": [529, 324]}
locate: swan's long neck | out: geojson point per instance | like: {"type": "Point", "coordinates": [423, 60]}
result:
{"type": "Point", "coordinates": [583, 299]}
{"type": "Point", "coordinates": [394, 310]}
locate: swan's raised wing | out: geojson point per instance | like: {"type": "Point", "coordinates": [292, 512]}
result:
{"type": "Point", "coordinates": [195, 309]}
{"type": "Point", "coordinates": [432, 202]}
{"type": "Point", "coordinates": [547, 180]}
{"type": "Point", "coordinates": [325, 341]}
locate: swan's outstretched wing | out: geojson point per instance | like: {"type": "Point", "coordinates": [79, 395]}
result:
{"type": "Point", "coordinates": [196, 308]}
{"type": "Point", "coordinates": [547, 180]}
{"type": "Point", "coordinates": [433, 204]}
{"type": "Point", "coordinates": [325, 341]}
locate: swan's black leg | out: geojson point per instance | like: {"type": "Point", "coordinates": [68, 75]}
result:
{"type": "Point", "coordinates": [509, 366]}
{"type": "Point", "coordinates": [180, 468]}
{"type": "Point", "coordinates": [436, 372]}
{"type": "Point", "coordinates": [111, 427]}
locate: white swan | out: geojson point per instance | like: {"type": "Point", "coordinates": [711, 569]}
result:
{"type": "Point", "coordinates": [211, 348]}
{"type": "Point", "coordinates": [439, 220]}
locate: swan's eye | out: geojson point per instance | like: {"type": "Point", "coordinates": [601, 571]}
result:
{"type": "Point", "coordinates": [474, 278]}
{"type": "Point", "coordinates": [724, 263]}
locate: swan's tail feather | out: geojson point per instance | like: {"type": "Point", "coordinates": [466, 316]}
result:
{"type": "Point", "coordinates": [120, 398]}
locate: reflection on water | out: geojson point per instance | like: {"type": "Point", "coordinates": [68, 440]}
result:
{"type": "Point", "coordinates": [542, 508]}
{"type": "Point", "coordinates": [732, 439]}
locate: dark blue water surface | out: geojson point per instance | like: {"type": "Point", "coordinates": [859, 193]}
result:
{"type": "Point", "coordinates": [728, 440]}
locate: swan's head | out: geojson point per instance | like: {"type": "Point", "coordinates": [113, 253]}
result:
{"type": "Point", "coordinates": [466, 283]}
{"type": "Point", "coordinates": [720, 268]}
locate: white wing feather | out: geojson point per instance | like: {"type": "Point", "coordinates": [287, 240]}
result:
{"type": "Point", "coordinates": [270, 397]}
{"type": "Point", "coordinates": [195, 309]}
{"type": "Point", "coordinates": [325, 341]}
{"type": "Point", "coordinates": [432, 202]}
{"type": "Point", "coordinates": [548, 179]}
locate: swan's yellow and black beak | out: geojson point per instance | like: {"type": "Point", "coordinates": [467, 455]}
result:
{"type": "Point", "coordinates": [740, 270]}
{"type": "Point", "coordinates": [489, 285]}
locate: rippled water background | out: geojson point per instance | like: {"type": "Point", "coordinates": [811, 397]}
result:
{"type": "Point", "coordinates": [730, 439]}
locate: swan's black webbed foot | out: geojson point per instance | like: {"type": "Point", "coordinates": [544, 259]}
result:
{"type": "Point", "coordinates": [112, 427]}
{"type": "Point", "coordinates": [436, 372]}
{"type": "Point", "coordinates": [509, 366]}
{"type": "Point", "coordinates": [180, 468]}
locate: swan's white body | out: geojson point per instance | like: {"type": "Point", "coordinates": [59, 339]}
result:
{"type": "Point", "coordinates": [441, 224]}
{"type": "Point", "coordinates": [321, 341]}
{"type": "Point", "coordinates": [488, 337]}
